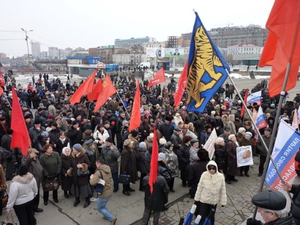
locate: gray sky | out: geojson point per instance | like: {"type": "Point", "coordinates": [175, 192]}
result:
{"type": "Point", "coordinates": [91, 23]}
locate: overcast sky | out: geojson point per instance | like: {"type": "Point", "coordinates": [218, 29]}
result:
{"type": "Point", "coordinates": [92, 23]}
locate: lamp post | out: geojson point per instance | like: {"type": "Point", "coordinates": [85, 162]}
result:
{"type": "Point", "coordinates": [26, 39]}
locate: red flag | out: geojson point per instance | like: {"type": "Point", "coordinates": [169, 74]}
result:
{"type": "Point", "coordinates": [181, 85]}
{"type": "Point", "coordinates": [1, 91]}
{"type": "Point", "coordinates": [108, 90]}
{"type": "Point", "coordinates": [154, 161]}
{"type": "Point", "coordinates": [135, 120]}
{"type": "Point", "coordinates": [2, 81]}
{"type": "Point", "coordinates": [245, 100]}
{"type": "Point", "coordinates": [158, 78]}
{"type": "Point", "coordinates": [84, 89]}
{"type": "Point", "coordinates": [96, 91]}
{"type": "Point", "coordinates": [282, 45]}
{"type": "Point", "coordinates": [20, 136]}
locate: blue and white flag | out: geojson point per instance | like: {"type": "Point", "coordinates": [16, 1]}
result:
{"type": "Point", "coordinates": [254, 97]}
{"type": "Point", "coordinates": [286, 146]}
{"type": "Point", "coordinates": [260, 120]}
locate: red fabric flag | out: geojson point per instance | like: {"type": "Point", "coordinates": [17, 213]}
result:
{"type": "Point", "coordinates": [154, 161]}
{"type": "Point", "coordinates": [2, 81]}
{"type": "Point", "coordinates": [96, 91]}
{"type": "Point", "coordinates": [1, 91]}
{"type": "Point", "coordinates": [282, 45]}
{"type": "Point", "coordinates": [20, 136]}
{"type": "Point", "coordinates": [108, 90]}
{"type": "Point", "coordinates": [84, 89]}
{"type": "Point", "coordinates": [158, 78]}
{"type": "Point", "coordinates": [245, 100]}
{"type": "Point", "coordinates": [135, 120]}
{"type": "Point", "coordinates": [181, 86]}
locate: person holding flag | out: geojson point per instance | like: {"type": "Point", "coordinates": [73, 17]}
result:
{"type": "Point", "coordinates": [156, 187]}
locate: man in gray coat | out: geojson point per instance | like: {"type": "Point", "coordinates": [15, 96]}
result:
{"type": "Point", "coordinates": [110, 155]}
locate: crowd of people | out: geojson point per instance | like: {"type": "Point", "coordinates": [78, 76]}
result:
{"type": "Point", "coordinates": [76, 147]}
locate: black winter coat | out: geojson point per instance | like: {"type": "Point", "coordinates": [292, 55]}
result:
{"type": "Point", "coordinates": [155, 201]}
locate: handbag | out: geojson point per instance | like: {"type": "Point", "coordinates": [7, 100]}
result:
{"type": "Point", "coordinates": [99, 187]}
{"type": "Point", "coordinates": [124, 179]}
{"type": "Point", "coordinates": [51, 184]}
{"type": "Point", "coordinates": [4, 198]}
{"type": "Point", "coordinates": [82, 173]}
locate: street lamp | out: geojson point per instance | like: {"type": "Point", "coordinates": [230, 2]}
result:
{"type": "Point", "coordinates": [26, 39]}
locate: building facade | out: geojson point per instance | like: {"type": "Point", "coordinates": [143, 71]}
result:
{"type": "Point", "coordinates": [228, 36]}
{"type": "Point", "coordinates": [129, 43]}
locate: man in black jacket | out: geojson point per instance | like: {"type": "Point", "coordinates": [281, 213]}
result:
{"type": "Point", "coordinates": [155, 201]}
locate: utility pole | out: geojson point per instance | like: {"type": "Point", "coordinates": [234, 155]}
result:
{"type": "Point", "coordinates": [26, 39]}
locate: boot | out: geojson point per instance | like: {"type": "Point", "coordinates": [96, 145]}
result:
{"type": "Point", "coordinates": [87, 202]}
{"type": "Point", "coordinates": [76, 201]}
{"type": "Point", "coordinates": [66, 194]}
{"type": "Point", "coordinates": [246, 174]}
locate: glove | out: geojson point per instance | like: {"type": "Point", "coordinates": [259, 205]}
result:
{"type": "Point", "coordinates": [251, 221]}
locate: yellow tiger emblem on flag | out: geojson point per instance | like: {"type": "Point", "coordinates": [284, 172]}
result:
{"type": "Point", "coordinates": [204, 61]}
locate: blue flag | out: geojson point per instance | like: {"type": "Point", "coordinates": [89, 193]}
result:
{"type": "Point", "coordinates": [206, 69]}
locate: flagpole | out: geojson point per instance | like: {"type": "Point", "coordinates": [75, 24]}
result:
{"type": "Point", "coordinates": [123, 104]}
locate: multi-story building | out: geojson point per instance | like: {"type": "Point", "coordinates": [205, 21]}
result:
{"type": "Point", "coordinates": [44, 55]}
{"type": "Point", "coordinates": [36, 50]}
{"type": "Point", "coordinates": [172, 42]}
{"type": "Point", "coordinates": [129, 43]}
{"type": "Point", "coordinates": [53, 53]}
{"type": "Point", "coordinates": [184, 40]}
{"type": "Point", "coordinates": [229, 36]}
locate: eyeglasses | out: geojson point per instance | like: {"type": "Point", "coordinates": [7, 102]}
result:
{"type": "Point", "coordinates": [211, 168]}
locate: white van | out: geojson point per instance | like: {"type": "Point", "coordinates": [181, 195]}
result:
{"type": "Point", "coordinates": [144, 64]}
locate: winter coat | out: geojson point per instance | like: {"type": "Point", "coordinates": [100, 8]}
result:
{"type": "Point", "coordinates": [80, 158]}
{"type": "Point", "coordinates": [164, 171]}
{"type": "Point", "coordinates": [128, 164]}
{"type": "Point", "coordinates": [66, 172]}
{"type": "Point", "coordinates": [104, 173]}
{"type": "Point", "coordinates": [60, 144]}
{"type": "Point", "coordinates": [184, 156]}
{"type": "Point", "coordinates": [141, 160]}
{"type": "Point", "coordinates": [110, 157]}
{"type": "Point", "coordinates": [232, 168]}
{"type": "Point", "coordinates": [34, 167]}
{"type": "Point", "coordinates": [75, 136]}
{"type": "Point", "coordinates": [195, 171]}
{"type": "Point", "coordinates": [159, 197]}
{"type": "Point", "coordinates": [221, 157]}
{"type": "Point", "coordinates": [177, 142]}
{"type": "Point", "coordinates": [51, 164]}
{"type": "Point", "coordinates": [166, 130]}
{"type": "Point", "coordinates": [260, 147]}
{"type": "Point", "coordinates": [211, 187]}
{"type": "Point", "coordinates": [98, 136]}
{"type": "Point", "coordinates": [22, 189]}
{"type": "Point", "coordinates": [172, 162]}
{"type": "Point", "coordinates": [295, 210]}
{"type": "Point", "coordinates": [193, 154]}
